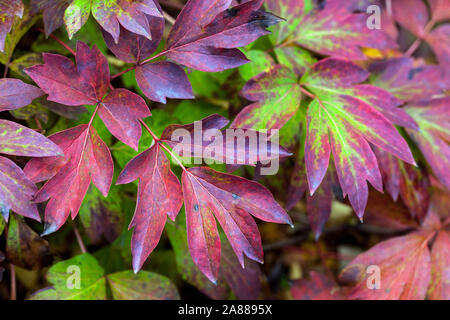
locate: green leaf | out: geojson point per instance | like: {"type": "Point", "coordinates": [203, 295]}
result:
{"type": "Point", "coordinates": [63, 276]}
{"type": "Point", "coordinates": [24, 247]}
{"type": "Point", "coordinates": [260, 62]}
{"type": "Point", "coordinates": [277, 97]}
{"type": "Point", "coordinates": [102, 218]}
{"type": "Point", "coordinates": [18, 30]}
{"type": "Point", "coordinates": [142, 286]}
{"type": "Point", "coordinates": [76, 15]}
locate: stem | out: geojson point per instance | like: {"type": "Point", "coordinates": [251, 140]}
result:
{"type": "Point", "coordinates": [79, 239]}
{"type": "Point", "coordinates": [154, 136]}
{"type": "Point", "coordinates": [59, 41]}
{"type": "Point", "coordinates": [13, 293]}
{"type": "Point", "coordinates": [169, 18]}
{"type": "Point", "coordinates": [5, 72]}
{"type": "Point", "coordinates": [172, 5]}
{"type": "Point", "coordinates": [157, 140]}
{"type": "Point", "coordinates": [389, 7]}
{"type": "Point", "coordinates": [309, 94]}
{"type": "Point", "coordinates": [418, 41]}
{"type": "Point", "coordinates": [123, 72]}
{"type": "Point", "coordinates": [174, 156]}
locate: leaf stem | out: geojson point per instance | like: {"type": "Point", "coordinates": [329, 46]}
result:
{"type": "Point", "coordinates": [140, 63]}
{"type": "Point", "coordinates": [419, 40]}
{"type": "Point", "coordinates": [59, 41]}
{"type": "Point", "coordinates": [79, 239]}
{"type": "Point", "coordinates": [13, 293]}
{"type": "Point", "coordinates": [309, 94]}
{"type": "Point", "coordinates": [158, 140]}
{"type": "Point", "coordinates": [169, 18]}
{"type": "Point", "coordinates": [154, 136]}
{"type": "Point", "coordinates": [173, 156]}
{"type": "Point", "coordinates": [5, 72]}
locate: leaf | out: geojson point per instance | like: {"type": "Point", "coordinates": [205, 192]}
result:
{"type": "Point", "coordinates": [15, 94]}
{"type": "Point", "coordinates": [222, 146]}
{"type": "Point", "coordinates": [206, 34]}
{"type": "Point", "coordinates": [383, 212]}
{"type": "Point", "coordinates": [102, 218]}
{"type": "Point", "coordinates": [20, 26]}
{"type": "Point", "coordinates": [245, 283]}
{"type": "Point", "coordinates": [8, 9]}
{"type": "Point", "coordinates": [318, 205]}
{"type": "Point", "coordinates": [260, 62]}
{"type": "Point", "coordinates": [53, 11]}
{"type": "Point", "coordinates": [440, 260]}
{"type": "Point", "coordinates": [76, 15]}
{"type": "Point", "coordinates": [161, 80]}
{"type": "Point", "coordinates": [16, 192]}
{"type": "Point", "coordinates": [159, 194]}
{"type": "Point", "coordinates": [349, 32]}
{"type": "Point", "coordinates": [92, 284]}
{"type": "Point", "coordinates": [121, 111]}
{"type": "Point", "coordinates": [24, 247]}
{"type": "Point", "coordinates": [295, 58]}
{"type": "Point", "coordinates": [433, 135]}
{"type": "Point", "coordinates": [340, 119]}
{"type": "Point", "coordinates": [188, 270]}
{"type": "Point", "coordinates": [293, 11]}
{"type": "Point", "coordinates": [412, 15]}
{"type": "Point", "coordinates": [437, 39]}
{"type": "Point", "coordinates": [86, 158]}
{"type": "Point", "coordinates": [440, 10]}
{"type": "Point", "coordinates": [86, 83]}
{"type": "Point", "coordinates": [142, 286]}
{"type": "Point", "coordinates": [133, 48]}
{"type": "Point", "coordinates": [318, 287]}
{"type": "Point", "coordinates": [407, 82]}
{"type": "Point", "coordinates": [273, 88]}
{"type": "Point", "coordinates": [232, 200]}
{"type": "Point", "coordinates": [130, 14]}
{"type": "Point", "coordinates": [22, 141]}
{"type": "Point", "coordinates": [406, 180]}
{"type": "Point", "coordinates": [404, 264]}
{"type": "Point", "coordinates": [2, 224]}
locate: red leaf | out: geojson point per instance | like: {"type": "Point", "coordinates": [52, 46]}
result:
{"type": "Point", "coordinates": [407, 82]}
{"type": "Point", "coordinates": [433, 135]}
{"type": "Point", "coordinates": [318, 287]}
{"type": "Point", "coordinates": [440, 274]}
{"type": "Point", "coordinates": [440, 9]}
{"type": "Point", "coordinates": [205, 34]}
{"type": "Point", "coordinates": [22, 141]}
{"type": "Point", "coordinates": [15, 94]}
{"type": "Point", "coordinates": [209, 194]}
{"type": "Point", "coordinates": [405, 269]}
{"type": "Point", "coordinates": [16, 192]}
{"type": "Point", "coordinates": [412, 15]}
{"type": "Point", "coordinates": [85, 84]}
{"type": "Point", "coordinates": [161, 80]}
{"type": "Point", "coordinates": [159, 194]}
{"type": "Point", "coordinates": [204, 139]}
{"type": "Point", "coordinates": [406, 180]}
{"type": "Point", "coordinates": [87, 158]}
{"type": "Point", "coordinates": [53, 11]}
{"type": "Point", "coordinates": [121, 111]}
{"type": "Point", "coordinates": [133, 48]}
{"type": "Point", "coordinates": [132, 15]}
